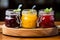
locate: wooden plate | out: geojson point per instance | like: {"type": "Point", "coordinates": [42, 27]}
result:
{"type": "Point", "coordinates": [29, 32]}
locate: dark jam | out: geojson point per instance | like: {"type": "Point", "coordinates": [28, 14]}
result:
{"type": "Point", "coordinates": [46, 21]}
{"type": "Point", "coordinates": [11, 21]}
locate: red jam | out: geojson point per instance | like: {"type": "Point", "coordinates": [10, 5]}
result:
{"type": "Point", "coordinates": [46, 21]}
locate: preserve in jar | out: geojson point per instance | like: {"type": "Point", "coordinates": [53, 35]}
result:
{"type": "Point", "coordinates": [46, 18]}
{"type": "Point", "coordinates": [11, 19]}
{"type": "Point", "coordinates": [29, 18]}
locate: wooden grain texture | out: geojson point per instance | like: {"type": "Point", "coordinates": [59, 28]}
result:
{"type": "Point", "coordinates": [37, 32]}
{"type": "Point", "coordinates": [14, 38]}
{"type": "Point", "coordinates": [3, 37]}
{"type": "Point", "coordinates": [57, 23]}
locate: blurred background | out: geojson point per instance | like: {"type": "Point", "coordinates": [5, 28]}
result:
{"type": "Point", "coordinates": [41, 4]}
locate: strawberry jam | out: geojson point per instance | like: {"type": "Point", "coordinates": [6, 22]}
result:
{"type": "Point", "coordinates": [46, 20]}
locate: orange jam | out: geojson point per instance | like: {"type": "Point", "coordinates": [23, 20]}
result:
{"type": "Point", "coordinates": [29, 19]}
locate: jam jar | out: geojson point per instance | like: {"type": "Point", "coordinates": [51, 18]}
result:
{"type": "Point", "coordinates": [11, 19]}
{"type": "Point", "coordinates": [29, 18]}
{"type": "Point", "coordinates": [46, 20]}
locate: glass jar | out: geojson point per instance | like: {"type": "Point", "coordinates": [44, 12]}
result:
{"type": "Point", "coordinates": [46, 20]}
{"type": "Point", "coordinates": [29, 18]}
{"type": "Point", "coordinates": [11, 19]}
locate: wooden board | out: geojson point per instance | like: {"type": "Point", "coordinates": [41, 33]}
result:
{"type": "Point", "coordinates": [29, 32]}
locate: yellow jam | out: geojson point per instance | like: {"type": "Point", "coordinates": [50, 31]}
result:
{"type": "Point", "coordinates": [29, 20]}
